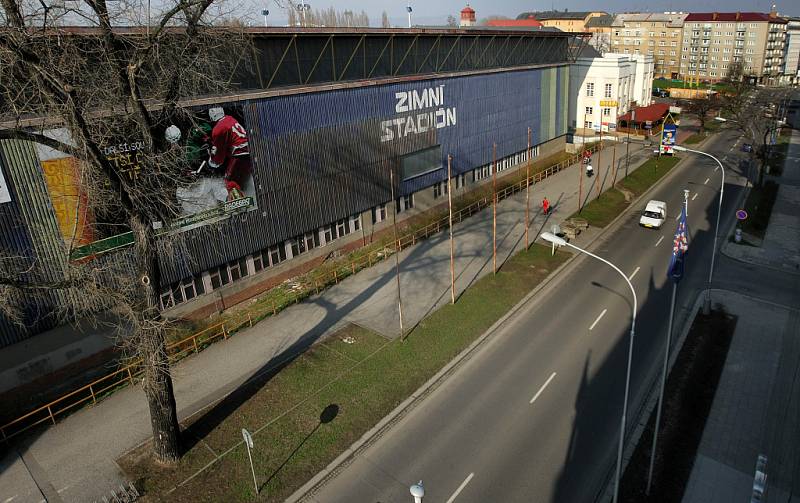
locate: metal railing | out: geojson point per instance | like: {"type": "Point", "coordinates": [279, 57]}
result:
{"type": "Point", "coordinates": [313, 282]}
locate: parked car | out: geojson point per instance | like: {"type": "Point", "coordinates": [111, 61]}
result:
{"type": "Point", "coordinates": [660, 93]}
{"type": "Point", "coordinates": [654, 214]}
{"type": "Point", "coordinates": [746, 147]}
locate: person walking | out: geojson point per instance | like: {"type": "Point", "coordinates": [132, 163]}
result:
{"type": "Point", "coordinates": [545, 205]}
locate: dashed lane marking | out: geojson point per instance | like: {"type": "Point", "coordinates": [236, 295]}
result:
{"type": "Point", "coordinates": [461, 488]}
{"type": "Point", "coordinates": [598, 319]}
{"type": "Point", "coordinates": [543, 387]}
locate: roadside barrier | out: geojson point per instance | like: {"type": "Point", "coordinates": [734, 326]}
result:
{"type": "Point", "coordinates": [306, 285]}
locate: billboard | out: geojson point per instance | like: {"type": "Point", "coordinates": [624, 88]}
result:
{"type": "Point", "coordinates": [668, 135]}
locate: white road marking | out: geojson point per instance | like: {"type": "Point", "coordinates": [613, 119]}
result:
{"type": "Point", "coordinates": [677, 216]}
{"type": "Point", "coordinates": [707, 179]}
{"type": "Point", "coordinates": [716, 168]}
{"type": "Point", "coordinates": [461, 488]}
{"type": "Point", "coordinates": [543, 387]}
{"type": "Point", "coordinates": [657, 243]}
{"type": "Point", "coordinates": [598, 319]}
{"type": "Point", "coordinates": [694, 196]}
{"type": "Point", "coordinates": [10, 499]}
{"type": "Point", "coordinates": [637, 269]}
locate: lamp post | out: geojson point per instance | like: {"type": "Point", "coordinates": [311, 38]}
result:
{"type": "Point", "coordinates": [408, 9]}
{"type": "Point", "coordinates": [707, 303]}
{"type": "Point", "coordinates": [265, 13]}
{"type": "Point", "coordinates": [555, 240]}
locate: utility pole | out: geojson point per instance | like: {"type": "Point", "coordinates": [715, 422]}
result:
{"type": "Point", "coordinates": [628, 144]}
{"type": "Point", "coordinates": [528, 191]}
{"type": "Point", "coordinates": [396, 254]}
{"type": "Point", "coordinates": [494, 207]}
{"type": "Point", "coordinates": [450, 208]}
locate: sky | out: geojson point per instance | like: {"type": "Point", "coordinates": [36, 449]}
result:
{"type": "Point", "coordinates": [436, 12]}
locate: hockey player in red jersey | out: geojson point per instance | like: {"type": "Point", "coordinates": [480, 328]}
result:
{"type": "Point", "coordinates": [230, 151]}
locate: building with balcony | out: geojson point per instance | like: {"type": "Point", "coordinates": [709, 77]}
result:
{"type": "Point", "coordinates": [650, 34]}
{"type": "Point", "coordinates": [791, 54]}
{"type": "Point", "coordinates": [717, 43]}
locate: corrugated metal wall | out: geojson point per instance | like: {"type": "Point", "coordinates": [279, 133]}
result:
{"type": "Point", "coordinates": [29, 231]}
{"type": "Point", "coordinates": [319, 157]}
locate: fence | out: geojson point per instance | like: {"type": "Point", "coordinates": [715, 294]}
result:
{"type": "Point", "coordinates": [313, 282]}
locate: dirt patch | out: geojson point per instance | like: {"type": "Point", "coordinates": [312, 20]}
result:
{"type": "Point", "coordinates": [688, 396]}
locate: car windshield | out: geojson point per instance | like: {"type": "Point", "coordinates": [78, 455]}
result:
{"type": "Point", "coordinates": [652, 214]}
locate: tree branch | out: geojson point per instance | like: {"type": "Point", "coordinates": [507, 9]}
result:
{"type": "Point", "coordinates": [21, 134]}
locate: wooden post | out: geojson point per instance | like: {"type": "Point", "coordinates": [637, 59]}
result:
{"type": "Point", "coordinates": [614, 166]}
{"type": "Point", "coordinates": [580, 187]}
{"type": "Point", "coordinates": [599, 155]}
{"type": "Point", "coordinates": [91, 390]}
{"type": "Point", "coordinates": [396, 254]}
{"type": "Point", "coordinates": [494, 208]}
{"type": "Point", "coordinates": [452, 248]}
{"type": "Point", "coordinates": [528, 191]}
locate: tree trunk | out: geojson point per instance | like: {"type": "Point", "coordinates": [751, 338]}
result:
{"type": "Point", "coordinates": [163, 411]}
{"type": "Point", "coordinates": [151, 346]}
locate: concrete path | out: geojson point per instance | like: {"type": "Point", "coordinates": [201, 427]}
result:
{"type": "Point", "coordinates": [73, 461]}
{"type": "Point", "coordinates": [756, 409]}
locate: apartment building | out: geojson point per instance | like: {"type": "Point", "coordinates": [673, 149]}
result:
{"type": "Point", "coordinates": [651, 34]}
{"type": "Point", "coordinates": [564, 21]}
{"type": "Point", "coordinates": [791, 56]}
{"type": "Point", "coordinates": [715, 42]}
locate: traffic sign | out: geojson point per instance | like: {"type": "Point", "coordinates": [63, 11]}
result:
{"type": "Point", "coordinates": [741, 215]}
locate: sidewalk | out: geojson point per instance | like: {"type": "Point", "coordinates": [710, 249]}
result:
{"type": "Point", "coordinates": [756, 408]}
{"type": "Point", "coordinates": [74, 460]}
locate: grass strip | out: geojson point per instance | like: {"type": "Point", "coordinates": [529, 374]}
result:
{"type": "Point", "coordinates": [355, 373]}
{"type": "Point", "coordinates": [695, 138]}
{"type": "Point", "coordinates": [604, 209]}
{"type": "Point", "coordinates": [759, 208]}
{"type": "Point", "coordinates": [689, 394]}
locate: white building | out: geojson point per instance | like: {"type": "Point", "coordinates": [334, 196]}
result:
{"type": "Point", "coordinates": [603, 88]}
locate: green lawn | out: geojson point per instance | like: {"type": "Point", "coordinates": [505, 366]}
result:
{"type": "Point", "coordinates": [601, 211]}
{"type": "Point", "coordinates": [695, 138]}
{"type": "Point", "coordinates": [355, 375]}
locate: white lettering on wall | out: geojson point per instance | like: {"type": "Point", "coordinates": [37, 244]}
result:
{"type": "Point", "coordinates": [409, 101]}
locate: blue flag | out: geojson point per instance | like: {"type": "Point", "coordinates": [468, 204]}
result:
{"type": "Point", "coordinates": [679, 246]}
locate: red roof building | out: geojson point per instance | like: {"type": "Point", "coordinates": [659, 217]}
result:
{"type": "Point", "coordinates": [651, 113]}
{"type": "Point", "coordinates": [733, 17]}
{"type": "Point", "coordinates": [529, 22]}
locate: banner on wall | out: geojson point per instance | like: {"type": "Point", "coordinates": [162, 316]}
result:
{"type": "Point", "coordinates": [5, 195]}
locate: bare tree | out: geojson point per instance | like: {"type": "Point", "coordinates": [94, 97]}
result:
{"type": "Point", "coordinates": [700, 108]}
{"type": "Point", "coordinates": [385, 20]}
{"type": "Point", "coordinates": [486, 20]}
{"type": "Point", "coordinates": [107, 86]}
{"type": "Point", "coordinates": [754, 114]}
{"type": "Point", "coordinates": [452, 21]}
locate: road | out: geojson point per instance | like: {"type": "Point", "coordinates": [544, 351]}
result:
{"type": "Point", "coordinates": [535, 414]}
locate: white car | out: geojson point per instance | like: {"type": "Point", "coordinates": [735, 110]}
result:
{"type": "Point", "coordinates": [654, 214]}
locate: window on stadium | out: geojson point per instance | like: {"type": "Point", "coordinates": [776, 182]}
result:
{"type": "Point", "coordinates": [421, 162]}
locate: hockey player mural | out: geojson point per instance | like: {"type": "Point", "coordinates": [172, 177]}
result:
{"type": "Point", "coordinates": [218, 180]}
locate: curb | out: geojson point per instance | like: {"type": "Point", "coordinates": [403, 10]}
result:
{"type": "Point", "coordinates": [305, 492]}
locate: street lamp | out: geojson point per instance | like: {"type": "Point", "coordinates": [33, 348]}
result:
{"type": "Point", "coordinates": [707, 303]}
{"type": "Point", "coordinates": [418, 492]}
{"type": "Point", "coordinates": [408, 9]}
{"type": "Point", "coordinates": [555, 240]}
{"type": "Point", "coordinates": [265, 13]}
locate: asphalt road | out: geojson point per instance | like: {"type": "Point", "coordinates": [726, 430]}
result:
{"type": "Point", "coordinates": [534, 415]}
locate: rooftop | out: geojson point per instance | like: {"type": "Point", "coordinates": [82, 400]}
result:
{"type": "Point", "coordinates": [733, 16]}
{"type": "Point", "coordinates": [600, 21]}
{"type": "Point", "coordinates": [650, 113]}
{"type": "Point", "coordinates": [554, 14]}
{"type": "Point", "coordinates": [529, 22]}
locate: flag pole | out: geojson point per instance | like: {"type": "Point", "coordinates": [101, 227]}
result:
{"type": "Point", "coordinates": [396, 255]}
{"type": "Point", "coordinates": [450, 209]}
{"type": "Point", "coordinates": [494, 207]}
{"type": "Point", "coordinates": [666, 352]}
{"type": "Point", "coordinates": [528, 191]}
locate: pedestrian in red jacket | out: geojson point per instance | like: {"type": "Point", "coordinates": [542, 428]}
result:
{"type": "Point", "coordinates": [545, 205]}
